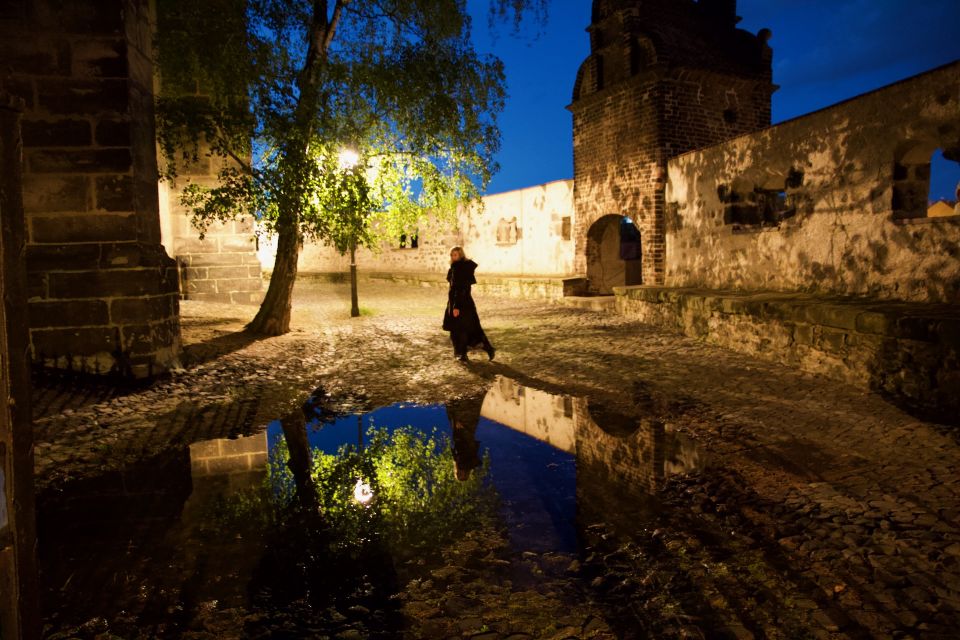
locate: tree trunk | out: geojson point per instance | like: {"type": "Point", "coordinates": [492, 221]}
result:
{"type": "Point", "coordinates": [273, 318]}
{"type": "Point", "coordinates": [354, 303]}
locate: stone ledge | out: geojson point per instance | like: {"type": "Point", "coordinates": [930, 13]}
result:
{"type": "Point", "coordinates": [907, 351]}
{"type": "Point", "coordinates": [546, 287]}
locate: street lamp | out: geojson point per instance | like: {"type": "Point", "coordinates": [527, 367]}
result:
{"type": "Point", "coordinates": [348, 159]}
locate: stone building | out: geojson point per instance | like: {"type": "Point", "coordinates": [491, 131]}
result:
{"type": "Point", "coordinates": [663, 77]}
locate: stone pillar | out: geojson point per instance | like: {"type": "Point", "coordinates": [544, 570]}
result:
{"type": "Point", "coordinates": [102, 291]}
{"type": "Point", "coordinates": [19, 612]}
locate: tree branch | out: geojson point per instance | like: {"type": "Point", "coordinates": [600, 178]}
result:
{"type": "Point", "coordinates": [334, 22]}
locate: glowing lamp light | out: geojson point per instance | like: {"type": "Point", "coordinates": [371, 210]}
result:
{"type": "Point", "coordinates": [348, 158]}
{"type": "Point", "coordinates": [362, 492]}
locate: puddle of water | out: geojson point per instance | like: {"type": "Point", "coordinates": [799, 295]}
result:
{"type": "Point", "coordinates": [156, 544]}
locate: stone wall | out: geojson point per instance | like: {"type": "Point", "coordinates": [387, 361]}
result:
{"type": "Point", "coordinates": [908, 352]}
{"type": "Point", "coordinates": [102, 292]}
{"type": "Point", "coordinates": [526, 232]}
{"type": "Point", "coordinates": [663, 77]}
{"type": "Point", "coordinates": [832, 202]}
{"type": "Point", "coordinates": [19, 615]}
{"type": "Point", "coordinates": [223, 266]}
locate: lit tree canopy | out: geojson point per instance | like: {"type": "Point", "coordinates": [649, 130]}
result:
{"type": "Point", "coordinates": [276, 88]}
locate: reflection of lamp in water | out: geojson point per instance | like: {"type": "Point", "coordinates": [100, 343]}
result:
{"type": "Point", "coordinates": [362, 492]}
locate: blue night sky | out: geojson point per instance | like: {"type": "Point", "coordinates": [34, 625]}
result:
{"type": "Point", "coordinates": [824, 51]}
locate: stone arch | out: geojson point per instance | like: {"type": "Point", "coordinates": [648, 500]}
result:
{"type": "Point", "coordinates": [614, 254]}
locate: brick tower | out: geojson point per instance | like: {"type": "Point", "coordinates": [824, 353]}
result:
{"type": "Point", "coordinates": [663, 77]}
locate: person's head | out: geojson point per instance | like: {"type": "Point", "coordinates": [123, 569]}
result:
{"type": "Point", "coordinates": [456, 254]}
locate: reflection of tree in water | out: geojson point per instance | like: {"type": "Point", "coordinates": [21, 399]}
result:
{"type": "Point", "coordinates": [325, 548]}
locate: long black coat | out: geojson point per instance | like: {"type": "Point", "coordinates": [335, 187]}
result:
{"type": "Point", "coordinates": [467, 325]}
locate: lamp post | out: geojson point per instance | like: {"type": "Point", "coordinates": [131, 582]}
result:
{"type": "Point", "coordinates": [348, 160]}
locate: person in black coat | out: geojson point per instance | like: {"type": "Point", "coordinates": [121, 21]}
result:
{"type": "Point", "coordinates": [460, 317]}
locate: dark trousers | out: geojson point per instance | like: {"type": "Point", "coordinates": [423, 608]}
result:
{"type": "Point", "coordinates": [462, 341]}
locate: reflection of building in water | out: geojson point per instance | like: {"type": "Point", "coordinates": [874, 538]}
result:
{"type": "Point", "coordinates": [635, 453]}
{"type": "Point", "coordinates": [223, 456]}
{"type": "Point", "coordinates": [541, 415]}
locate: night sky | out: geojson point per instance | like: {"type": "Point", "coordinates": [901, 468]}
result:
{"type": "Point", "coordinates": [824, 51]}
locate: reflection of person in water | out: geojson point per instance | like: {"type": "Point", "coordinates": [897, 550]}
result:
{"type": "Point", "coordinates": [464, 415]}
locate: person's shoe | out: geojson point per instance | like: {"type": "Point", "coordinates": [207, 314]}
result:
{"type": "Point", "coordinates": [490, 351]}
{"type": "Point", "coordinates": [462, 358]}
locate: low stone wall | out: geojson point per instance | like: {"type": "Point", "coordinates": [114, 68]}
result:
{"type": "Point", "coordinates": [514, 287]}
{"type": "Point", "coordinates": [910, 352]}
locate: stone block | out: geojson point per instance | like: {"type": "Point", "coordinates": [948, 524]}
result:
{"type": "Point", "coordinates": [36, 285]}
{"type": "Point", "coordinates": [204, 296]}
{"type": "Point", "coordinates": [875, 322]}
{"type": "Point", "coordinates": [213, 259]}
{"type": "Point", "coordinates": [247, 297]}
{"type": "Point", "coordinates": [33, 56]}
{"type": "Point", "coordinates": [68, 313]}
{"type": "Point", "coordinates": [208, 449]}
{"type": "Point", "coordinates": [238, 245]}
{"type": "Point", "coordinates": [48, 194]}
{"type": "Point", "coordinates": [88, 227]}
{"type": "Point", "coordinates": [107, 283]}
{"type": "Point", "coordinates": [100, 58]}
{"type": "Point", "coordinates": [195, 273]}
{"type": "Point", "coordinates": [56, 133]}
{"type": "Point", "coordinates": [132, 254]}
{"type": "Point", "coordinates": [148, 338]}
{"type": "Point", "coordinates": [57, 343]}
{"type": "Point", "coordinates": [58, 257]}
{"type": "Point", "coordinates": [244, 446]}
{"type": "Point", "coordinates": [80, 161]}
{"type": "Point", "coordinates": [189, 246]}
{"type": "Point", "coordinates": [803, 334]}
{"type": "Point", "coordinates": [244, 284]}
{"type": "Point", "coordinates": [21, 88]}
{"type": "Point", "coordinates": [832, 341]}
{"type": "Point", "coordinates": [82, 97]}
{"type": "Point", "coordinates": [227, 273]}
{"type": "Point", "coordinates": [114, 193]}
{"type": "Point", "coordinates": [143, 310]}
{"type": "Point", "coordinates": [83, 17]}
{"type": "Point", "coordinates": [832, 315]}
{"type": "Point", "coordinates": [113, 133]}
{"type": "Point", "coordinates": [192, 287]}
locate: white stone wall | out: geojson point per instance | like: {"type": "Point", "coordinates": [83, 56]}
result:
{"type": "Point", "coordinates": [516, 233]}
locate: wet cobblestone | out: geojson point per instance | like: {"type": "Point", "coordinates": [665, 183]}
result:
{"type": "Point", "coordinates": [826, 513]}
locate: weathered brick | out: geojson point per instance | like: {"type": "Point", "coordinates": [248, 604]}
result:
{"type": "Point", "coordinates": [72, 313]}
{"type": "Point", "coordinates": [114, 193]}
{"type": "Point", "coordinates": [56, 133]}
{"type": "Point", "coordinates": [110, 283]}
{"type": "Point", "coordinates": [245, 284]}
{"type": "Point", "coordinates": [80, 161]}
{"type": "Point", "coordinates": [52, 343]}
{"type": "Point", "coordinates": [113, 133]}
{"type": "Point", "coordinates": [47, 194]}
{"type": "Point", "coordinates": [200, 286]}
{"type": "Point", "coordinates": [82, 228]}
{"type": "Point", "coordinates": [83, 17]}
{"type": "Point", "coordinates": [143, 339]}
{"type": "Point", "coordinates": [101, 58]}
{"type": "Point", "coordinates": [77, 96]}
{"type": "Point", "coordinates": [225, 273]}
{"type": "Point", "coordinates": [142, 310]}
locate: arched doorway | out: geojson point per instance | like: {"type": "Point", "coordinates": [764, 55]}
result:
{"type": "Point", "coordinates": [614, 254]}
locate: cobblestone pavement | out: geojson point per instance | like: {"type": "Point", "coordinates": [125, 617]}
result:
{"type": "Point", "coordinates": [825, 512]}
